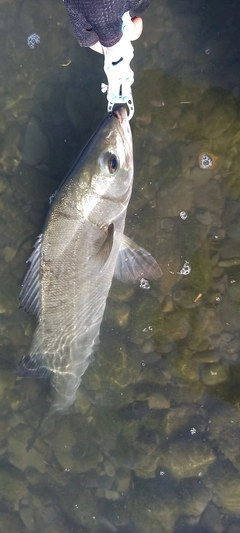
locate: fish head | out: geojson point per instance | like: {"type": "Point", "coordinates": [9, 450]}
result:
{"type": "Point", "coordinates": [113, 173]}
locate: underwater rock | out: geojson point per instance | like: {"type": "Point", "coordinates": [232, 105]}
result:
{"type": "Point", "coordinates": [194, 497]}
{"type": "Point", "coordinates": [174, 198]}
{"type": "Point", "coordinates": [226, 486]}
{"type": "Point", "coordinates": [117, 313]}
{"type": "Point", "coordinates": [82, 403]}
{"type": "Point", "coordinates": [120, 292]}
{"type": "Point", "coordinates": [217, 112]}
{"type": "Point", "coordinates": [206, 356]}
{"type": "Point", "coordinates": [209, 197]}
{"type": "Point", "coordinates": [186, 298]}
{"type": "Point", "coordinates": [10, 522]}
{"type": "Point", "coordinates": [62, 443]}
{"type": "Point", "coordinates": [7, 380]}
{"type": "Point", "coordinates": [10, 153]}
{"type": "Point", "coordinates": [201, 270]}
{"type": "Point", "coordinates": [158, 401]}
{"type": "Point", "coordinates": [35, 144]}
{"type": "Point", "coordinates": [207, 327]}
{"type": "Point", "coordinates": [188, 458]}
{"type": "Point", "coordinates": [8, 294]}
{"type": "Point", "coordinates": [9, 254]}
{"type": "Point", "coordinates": [47, 514]}
{"type": "Point", "coordinates": [155, 513]}
{"type": "Point", "coordinates": [179, 420]}
{"type": "Point", "coordinates": [186, 367]}
{"type": "Point", "coordinates": [13, 487]}
{"type": "Point", "coordinates": [224, 430]}
{"type": "Point", "coordinates": [17, 442]}
{"type": "Point", "coordinates": [141, 319]}
{"type": "Point", "coordinates": [32, 187]}
{"type": "Point", "coordinates": [211, 521]}
{"type": "Point", "coordinates": [31, 17]}
{"type": "Point", "coordinates": [115, 367]}
{"type": "Point", "coordinates": [80, 504]}
{"type": "Point", "coordinates": [147, 462]}
{"type": "Point", "coordinates": [87, 455]}
{"type": "Point", "coordinates": [214, 373]}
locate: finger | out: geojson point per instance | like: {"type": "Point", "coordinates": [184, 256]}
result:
{"type": "Point", "coordinates": [97, 47]}
{"type": "Point", "coordinates": [137, 28]}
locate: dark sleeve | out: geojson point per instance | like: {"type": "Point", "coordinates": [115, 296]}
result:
{"type": "Point", "coordinates": [101, 20]}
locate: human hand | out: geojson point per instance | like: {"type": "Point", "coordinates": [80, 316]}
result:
{"type": "Point", "coordinates": [115, 50]}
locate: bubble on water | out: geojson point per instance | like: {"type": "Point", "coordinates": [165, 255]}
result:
{"type": "Point", "coordinates": [185, 270]}
{"type": "Point", "coordinates": [149, 328]}
{"type": "Point", "coordinates": [183, 215]}
{"type": "Point", "coordinates": [206, 161]}
{"type": "Point", "coordinates": [207, 51]}
{"type": "Point", "coordinates": [144, 284]}
{"type": "Point", "coordinates": [51, 198]}
{"type": "Point", "coordinates": [33, 39]}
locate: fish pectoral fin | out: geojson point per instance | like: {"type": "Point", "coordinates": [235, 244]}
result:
{"type": "Point", "coordinates": [106, 246]}
{"type": "Point", "coordinates": [134, 263]}
{"type": "Point", "coordinates": [32, 366]}
{"type": "Point", "coordinates": [29, 295]}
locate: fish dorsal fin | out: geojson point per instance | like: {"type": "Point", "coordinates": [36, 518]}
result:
{"type": "Point", "coordinates": [134, 263]}
{"type": "Point", "coordinates": [32, 365]}
{"type": "Point", "coordinates": [29, 295]}
{"type": "Point", "coordinates": [106, 246]}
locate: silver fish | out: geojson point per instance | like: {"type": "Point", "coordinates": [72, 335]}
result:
{"type": "Point", "coordinates": [80, 250]}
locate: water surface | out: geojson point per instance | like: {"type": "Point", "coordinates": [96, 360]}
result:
{"type": "Point", "coordinates": [152, 443]}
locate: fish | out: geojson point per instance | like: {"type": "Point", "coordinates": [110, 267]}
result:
{"type": "Point", "coordinates": [81, 248]}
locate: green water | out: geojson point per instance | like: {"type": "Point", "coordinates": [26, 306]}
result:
{"type": "Point", "coordinates": [152, 443]}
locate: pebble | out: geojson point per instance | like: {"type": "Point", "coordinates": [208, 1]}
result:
{"type": "Point", "coordinates": [208, 356]}
{"type": "Point", "coordinates": [108, 494]}
{"type": "Point", "coordinates": [158, 401]}
{"type": "Point", "coordinates": [229, 263]}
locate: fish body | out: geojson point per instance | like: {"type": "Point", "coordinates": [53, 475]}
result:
{"type": "Point", "coordinates": [82, 246]}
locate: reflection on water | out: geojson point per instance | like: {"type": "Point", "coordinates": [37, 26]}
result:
{"type": "Point", "coordinates": [152, 443]}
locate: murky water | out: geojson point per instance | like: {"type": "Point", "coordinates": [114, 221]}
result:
{"type": "Point", "coordinates": [152, 443]}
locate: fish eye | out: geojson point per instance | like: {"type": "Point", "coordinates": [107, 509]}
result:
{"type": "Point", "coordinates": [112, 163]}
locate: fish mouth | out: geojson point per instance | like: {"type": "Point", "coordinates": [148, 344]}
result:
{"type": "Point", "coordinates": [120, 113]}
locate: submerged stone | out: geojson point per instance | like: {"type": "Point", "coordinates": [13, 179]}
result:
{"type": "Point", "coordinates": [188, 458]}
{"type": "Point", "coordinates": [211, 520]}
{"type": "Point", "coordinates": [201, 270]}
{"type": "Point", "coordinates": [18, 456]}
{"type": "Point", "coordinates": [35, 144]}
{"type": "Point", "coordinates": [194, 497]}
{"type": "Point", "coordinates": [214, 373]}
{"type": "Point", "coordinates": [13, 487]}
{"type": "Point", "coordinates": [224, 430]}
{"type": "Point", "coordinates": [155, 513]}
{"type": "Point", "coordinates": [226, 486]}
